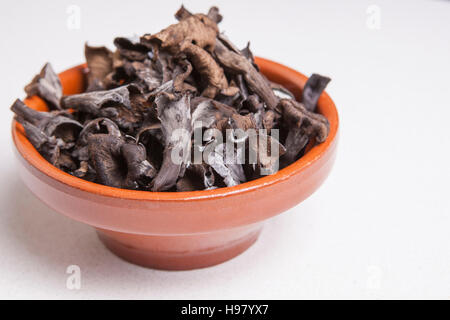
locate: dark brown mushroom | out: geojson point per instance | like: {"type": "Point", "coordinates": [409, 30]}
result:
{"type": "Point", "coordinates": [197, 177]}
{"type": "Point", "coordinates": [92, 102]}
{"type": "Point", "coordinates": [208, 68]}
{"type": "Point", "coordinates": [100, 64]}
{"type": "Point", "coordinates": [271, 120]}
{"type": "Point", "coordinates": [303, 125]}
{"type": "Point", "coordinates": [85, 171]}
{"type": "Point", "coordinates": [266, 150]}
{"type": "Point", "coordinates": [314, 87]}
{"type": "Point", "coordinates": [140, 171]}
{"type": "Point", "coordinates": [182, 13]}
{"type": "Point", "coordinates": [52, 148]}
{"type": "Point", "coordinates": [215, 15]}
{"type": "Point", "coordinates": [48, 147]}
{"type": "Point", "coordinates": [314, 125]}
{"type": "Point", "coordinates": [208, 113]}
{"type": "Point", "coordinates": [95, 126]}
{"type": "Point", "coordinates": [198, 28]}
{"type": "Point", "coordinates": [118, 163]}
{"type": "Point", "coordinates": [229, 167]}
{"type": "Point", "coordinates": [181, 74]}
{"type": "Point", "coordinates": [296, 141]}
{"type": "Point", "coordinates": [56, 123]}
{"type": "Point", "coordinates": [115, 104]}
{"type": "Point", "coordinates": [147, 73]}
{"type": "Point", "coordinates": [131, 48]}
{"type": "Point", "coordinates": [174, 114]}
{"type": "Point", "coordinates": [151, 136]}
{"type": "Point", "coordinates": [47, 86]}
{"type": "Point", "coordinates": [238, 63]}
{"type": "Point", "coordinates": [160, 98]}
{"type": "Point", "coordinates": [104, 154]}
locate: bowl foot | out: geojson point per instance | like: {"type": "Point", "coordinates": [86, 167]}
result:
{"type": "Point", "coordinates": [180, 252]}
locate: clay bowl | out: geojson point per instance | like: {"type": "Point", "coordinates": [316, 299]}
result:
{"type": "Point", "coordinates": [184, 230]}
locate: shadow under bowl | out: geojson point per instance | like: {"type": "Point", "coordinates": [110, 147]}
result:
{"type": "Point", "coordinates": [179, 230]}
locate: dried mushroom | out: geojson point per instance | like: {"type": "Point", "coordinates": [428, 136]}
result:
{"type": "Point", "coordinates": [197, 28]}
{"type": "Point", "coordinates": [183, 109]}
{"type": "Point", "coordinates": [314, 87]}
{"type": "Point", "coordinates": [175, 117]}
{"type": "Point", "coordinates": [93, 102]}
{"type": "Point", "coordinates": [230, 170]}
{"type": "Point", "coordinates": [56, 123]}
{"type": "Point", "coordinates": [100, 64]}
{"type": "Point", "coordinates": [47, 86]}
{"type": "Point", "coordinates": [208, 68]}
{"type": "Point", "coordinates": [131, 49]}
{"type": "Point", "coordinates": [303, 125]}
{"type": "Point", "coordinates": [238, 63]}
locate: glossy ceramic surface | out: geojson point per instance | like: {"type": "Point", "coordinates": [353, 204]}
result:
{"type": "Point", "coordinates": [179, 230]}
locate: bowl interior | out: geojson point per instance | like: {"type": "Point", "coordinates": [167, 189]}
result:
{"type": "Point", "coordinates": [73, 81]}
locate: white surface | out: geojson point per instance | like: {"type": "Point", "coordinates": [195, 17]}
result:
{"type": "Point", "coordinates": [378, 228]}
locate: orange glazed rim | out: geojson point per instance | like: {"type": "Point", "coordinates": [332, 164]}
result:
{"type": "Point", "coordinates": [326, 107]}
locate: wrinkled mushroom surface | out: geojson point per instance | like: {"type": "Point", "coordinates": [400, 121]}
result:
{"type": "Point", "coordinates": [47, 86]}
{"type": "Point", "coordinates": [182, 109]}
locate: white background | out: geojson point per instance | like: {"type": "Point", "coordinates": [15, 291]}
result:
{"type": "Point", "coordinates": [378, 228]}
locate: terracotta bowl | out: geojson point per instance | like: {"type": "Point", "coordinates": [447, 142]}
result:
{"type": "Point", "coordinates": [179, 230]}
